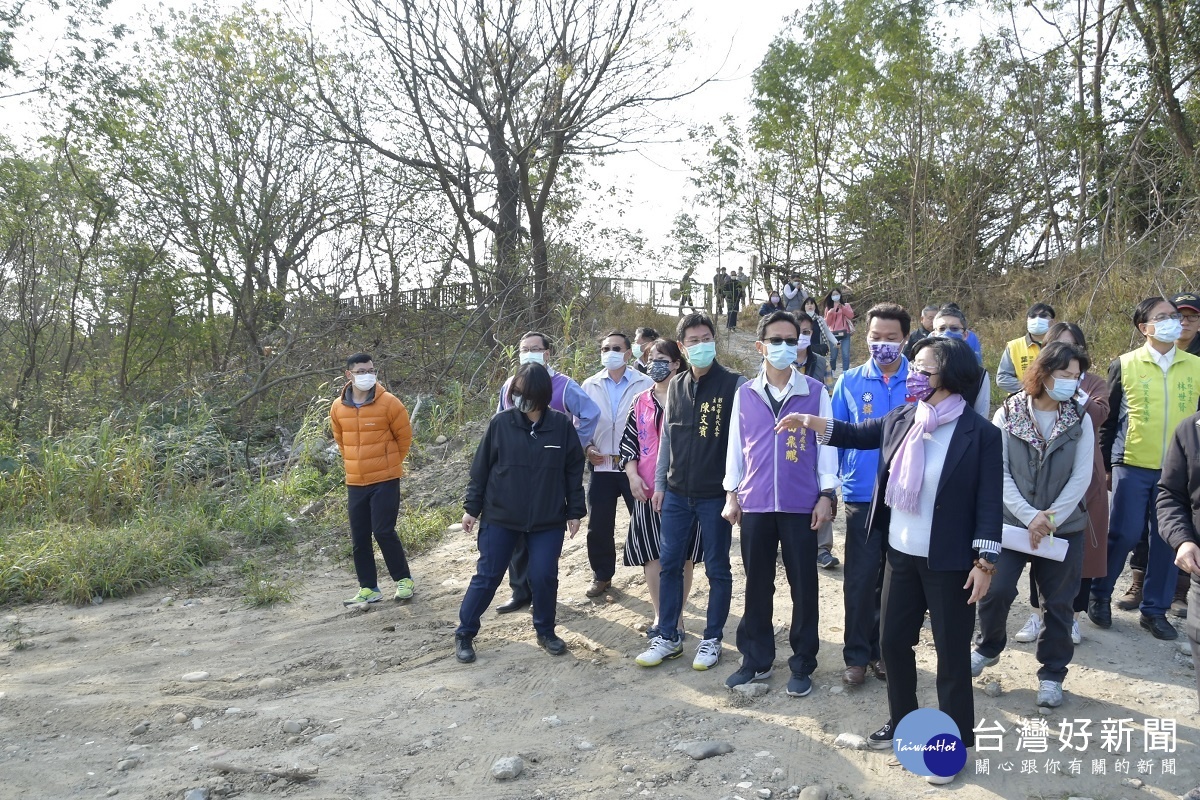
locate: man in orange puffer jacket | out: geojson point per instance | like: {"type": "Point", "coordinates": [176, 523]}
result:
{"type": "Point", "coordinates": [373, 432]}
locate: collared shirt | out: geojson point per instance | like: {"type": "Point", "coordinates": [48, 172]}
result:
{"type": "Point", "coordinates": [614, 389]}
{"type": "Point", "coordinates": [1164, 360]}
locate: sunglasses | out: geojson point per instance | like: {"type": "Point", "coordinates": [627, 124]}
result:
{"type": "Point", "coordinates": [777, 340]}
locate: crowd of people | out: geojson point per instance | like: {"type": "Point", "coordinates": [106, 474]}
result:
{"type": "Point", "coordinates": [945, 504]}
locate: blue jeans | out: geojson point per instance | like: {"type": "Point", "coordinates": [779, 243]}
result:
{"type": "Point", "coordinates": [716, 536]}
{"type": "Point", "coordinates": [1134, 493]}
{"type": "Point", "coordinates": [843, 343]}
{"type": "Point", "coordinates": [495, 549]}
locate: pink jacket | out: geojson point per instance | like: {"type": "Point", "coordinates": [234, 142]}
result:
{"type": "Point", "coordinates": [838, 318]}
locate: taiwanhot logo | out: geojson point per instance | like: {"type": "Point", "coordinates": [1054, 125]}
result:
{"type": "Point", "coordinates": [927, 742]}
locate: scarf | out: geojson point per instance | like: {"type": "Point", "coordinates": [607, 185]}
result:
{"type": "Point", "coordinates": [1019, 421]}
{"type": "Point", "coordinates": [908, 468]}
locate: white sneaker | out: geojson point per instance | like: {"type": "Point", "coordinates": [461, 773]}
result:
{"type": "Point", "coordinates": [1049, 696]}
{"type": "Point", "coordinates": [1076, 634]}
{"type": "Point", "coordinates": [979, 661]}
{"type": "Point", "coordinates": [1031, 630]}
{"type": "Point", "coordinates": [940, 780]}
{"type": "Point", "coordinates": [660, 650]}
{"type": "Point", "coordinates": [708, 653]}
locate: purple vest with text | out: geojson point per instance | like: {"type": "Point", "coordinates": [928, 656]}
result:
{"type": "Point", "coordinates": [780, 468]}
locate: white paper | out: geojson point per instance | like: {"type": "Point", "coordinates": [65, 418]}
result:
{"type": "Point", "coordinates": [1017, 539]}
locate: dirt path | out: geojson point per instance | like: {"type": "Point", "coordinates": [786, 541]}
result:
{"type": "Point", "coordinates": [383, 710]}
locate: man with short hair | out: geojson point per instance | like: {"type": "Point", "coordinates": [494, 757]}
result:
{"type": "Point", "coordinates": [719, 281]}
{"type": "Point", "coordinates": [951, 323]}
{"type": "Point", "coordinates": [1188, 304]}
{"type": "Point", "coordinates": [688, 489]}
{"type": "Point", "coordinates": [867, 392]}
{"type": "Point", "coordinates": [733, 290]}
{"type": "Point", "coordinates": [643, 338]}
{"type": "Point", "coordinates": [781, 489]}
{"type": "Point", "coordinates": [613, 389]}
{"type": "Point", "coordinates": [1020, 353]}
{"type": "Point", "coordinates": [920, 331]}
{"type": "Point", "coordinates": [570, 399]}
{"type": "Point", "coordinates": [373, 433]}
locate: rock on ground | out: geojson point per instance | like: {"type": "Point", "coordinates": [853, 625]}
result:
{"type": "Point", "coordinates": [505, 769]}
{"type": "Point", "coordinates": [702, 750]}
{"type": "Point", "coordinates": [850, 741]}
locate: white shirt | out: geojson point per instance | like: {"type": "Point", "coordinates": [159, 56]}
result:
{"type": "Point", "coordinates": [1164, 360]}
{"type": "Point", "coordinates": [909, 531]}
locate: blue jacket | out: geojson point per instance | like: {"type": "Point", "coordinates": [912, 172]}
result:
{"type": "Point", "coordinates": [860, 395]}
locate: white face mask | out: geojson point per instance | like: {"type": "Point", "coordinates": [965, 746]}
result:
{"type": "Point", "coordinates": [835, 298]}
{"type": "Point", "coordinates": [533, 358]}
{"type": "Point", "coordinates": [1167, 330]}
{"type": "Point", "coordinates": [805, 341]}
{"type": "Point", "coordinates": [612, 359]}
{"type": "Point", "coordinates": [1037, 325]}
{"type": "Point", "coordinates": [364, 383]}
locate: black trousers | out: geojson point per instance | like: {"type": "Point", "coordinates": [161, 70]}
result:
{"type": "Point", "coordinates": [373, 509]}
{"type": "Point", "coordinates": [763, 536]}
{"type": "Point", "coordinates": [1058, 587]}
{"type": "Point", "coordinates": [910, 588]}
{"type": "Point", "coordinates": [862, 587]}
{"type": "Point", "coordinates": [604, 489]}
{"type": "Point", "coordinates": [1193, 627]}
{"type": "Point", "coordinates": [518, 570]}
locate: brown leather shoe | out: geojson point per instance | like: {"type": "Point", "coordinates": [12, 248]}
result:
{"type": "Point", "coordinates": [598, 588]}
{"type": "Point", "coordinates": [877, 667]}
{"type": "Point", "coordinates": [854, 676]}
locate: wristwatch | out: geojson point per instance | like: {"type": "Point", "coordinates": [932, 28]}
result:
{"type": "Point", "coordinates": [989, 556]}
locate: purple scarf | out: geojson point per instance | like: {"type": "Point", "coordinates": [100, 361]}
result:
{"type": "Point", "coordinates": [908, 467]}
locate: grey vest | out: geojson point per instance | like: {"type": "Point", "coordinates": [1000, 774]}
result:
{"type": "Point", "coordinates": [1041, 478]}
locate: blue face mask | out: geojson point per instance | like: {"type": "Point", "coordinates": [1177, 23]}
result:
{"type": "Point", "coordinates": [702, 355]}
{"type": "Point", "coordinates": [781, 355]}
{"type": "Point", "coordinates": [952, 335]}
{"type": "Point", "coordinates": [1061, 390]}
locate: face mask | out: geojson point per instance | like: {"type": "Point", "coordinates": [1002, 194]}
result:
{"type": "Point", "coordinates": [701, 355]}
{"type": "Point", "coordinates": [636, 350]}
{"type": "Point", "coordinates": [805, 341]}
{"type": "Point", "coordinates": [781, 355]}
{"type": "Point", "coordinates": [533, 358]}
{"type": "Point", "coordinates": [812, 313]}
{"type": "Point", "coordinates": [364, 383]}
{"type": "Point", "coordinates": [774, 299]}
{"type": "Point", "coordinates": [1061, 390]}
{"type": "Point", "coordinates": [1037, 325]}
{"type": "Point", "coordinates": [952, 335]}
{"type": "Point", "coordinates": [1168, 330]}
{"type": "Point", "coordinates": [835, 298]}
{"type": "Point", "coordinates": [612, 359]}
{"type": "Point", "coordinates": [917, 385]}
{"type": "Point", "coordinates": [884, 353]}
{"type": "Point", "coordinates": [659, 371]}
{"type": "Point", "coordinates": [521, 404]}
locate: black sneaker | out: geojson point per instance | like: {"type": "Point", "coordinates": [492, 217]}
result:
{"type": "Point", "coordinates": [827, 560]}
{"type": "Point", "coordinates": [1099, 611]}
{"type": "Point", "coordinates": [799, 685]}
{"type": "Point", "coordinates": [746, 675]}
{"type": "Point", "coordinates": [882, 738]}
{"type": "Point", "coordinates": [1158, 626]}
{"type": "Point", "coordinates": [464, 648]}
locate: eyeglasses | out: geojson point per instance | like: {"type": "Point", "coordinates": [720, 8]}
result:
{"type": "Point", "coordinates": [925, 372]}
{"type": "Point", "coordinates": [778, 340]}
{"type": "Point", "coordinates": [1190, 319]}
{"type": "Point", "coordinates": [948, 329]}
{"type": "Point", "coordinates": [1165, 317]}
{"type": "Point", "coordinates": [616, 348]}
{"type": "Point", "coordinates": [362, 372]}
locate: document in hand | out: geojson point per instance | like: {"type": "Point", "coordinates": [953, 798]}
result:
{"type": "Point", "coordinates": [1014, 538]}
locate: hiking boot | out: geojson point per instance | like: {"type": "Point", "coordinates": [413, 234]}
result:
{"type": "Point", "coordinates": [979, 661]}
{"type": "Point", "coordinates": [364, 595]}
{"type": "Point", "coordinates": [464, 648]}
{"type": "Point", "coordinates": [746, 675]}
{"type": "Point", "coordinates": [1099, 611]}
{"type": "Point", "coordinates": [1133, 597]}
{"type": "Point", "coordinates": [1029, 633]}
{"type": "Point", "coordinates": [404, 589]}
{"type": "Point", "coordinates": [1049, 696]}
{"type": "Point", "coordinates": [598, 588]}
{"type": "Point", "coordinates": [660, 650]}
{"type": "Point", "coordinates": [708, 653]}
